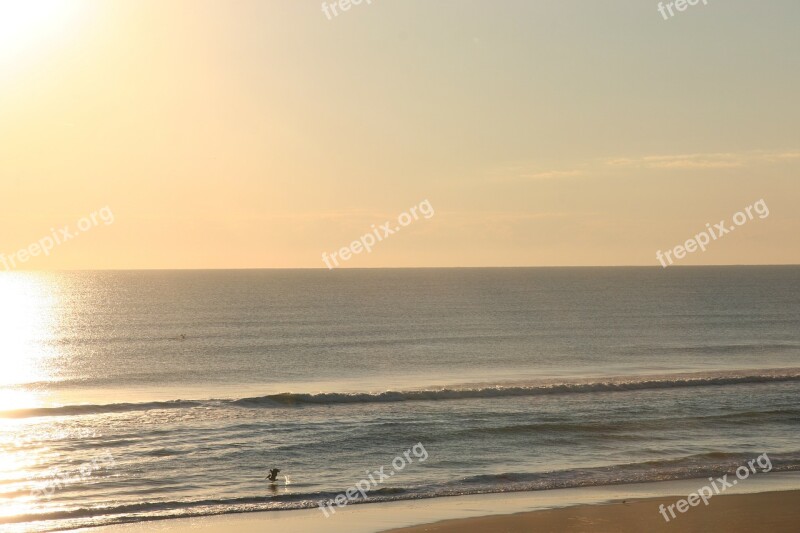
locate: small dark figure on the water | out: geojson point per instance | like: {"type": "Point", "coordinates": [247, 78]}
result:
{"type": "Point", "coordinates": [273, 475]}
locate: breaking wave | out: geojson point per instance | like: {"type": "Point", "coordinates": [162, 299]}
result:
{"type": "Point", "coordinates": [549, 387]}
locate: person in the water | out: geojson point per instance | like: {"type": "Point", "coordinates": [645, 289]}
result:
{"type": "Point", "coordinates": [273, 475]}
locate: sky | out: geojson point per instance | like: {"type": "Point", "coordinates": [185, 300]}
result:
{"type": "Point", "coordinates": [262, 134]}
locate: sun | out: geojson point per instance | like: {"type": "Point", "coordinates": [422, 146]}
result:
{"type": "Point", "coordinates": [27, 24]}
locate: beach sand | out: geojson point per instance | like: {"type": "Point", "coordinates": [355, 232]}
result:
{"type": "Point", "coordinates": [770, 511]}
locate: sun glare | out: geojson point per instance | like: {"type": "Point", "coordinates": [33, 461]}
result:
{"type": "Point", "coordinates": [26, 24]}
{"type": "Point", "coordinates": [26, 322]}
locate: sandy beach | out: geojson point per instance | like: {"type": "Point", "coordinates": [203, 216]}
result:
{"type": "Point", "coordinates": [770, 511]}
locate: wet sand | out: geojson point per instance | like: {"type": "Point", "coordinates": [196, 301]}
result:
{"type": "Point", "coordinates": [769, 511]}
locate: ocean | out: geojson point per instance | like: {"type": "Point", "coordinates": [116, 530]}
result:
{"type": "Point", "coordinates": [141, 395]}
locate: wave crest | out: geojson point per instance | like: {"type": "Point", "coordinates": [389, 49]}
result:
{"type": "Point", "coordinates": [288, 399]}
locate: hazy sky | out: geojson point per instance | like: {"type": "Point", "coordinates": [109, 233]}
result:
{"type": "Point", "coordinates": [262, 134]}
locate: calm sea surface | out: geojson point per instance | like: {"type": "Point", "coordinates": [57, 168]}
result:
{"type": "Point", "coordinates": [185, 387]}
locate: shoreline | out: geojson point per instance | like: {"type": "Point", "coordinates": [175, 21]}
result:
{"type": "Point", "coordinates": [777, 511]}
{"type": "Point", "coordinates": [469, 511]}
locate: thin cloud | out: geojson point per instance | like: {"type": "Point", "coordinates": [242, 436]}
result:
{"type": "Point", "coordinates": [522, 174]}
{"type": "Point", "coordinates": [704, 160]}
{"type": "Point", "coordinates": [480, 217]}
{"type": "Point", "coordinates": [553, 174]}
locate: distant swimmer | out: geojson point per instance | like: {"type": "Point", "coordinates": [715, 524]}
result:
{"type": "Point", "coordinates": [273, 475]}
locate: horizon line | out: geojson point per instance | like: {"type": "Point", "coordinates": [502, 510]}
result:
{"type": "Point", "coordinates": [497, 267]}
